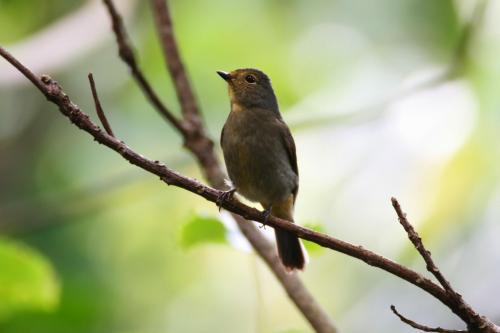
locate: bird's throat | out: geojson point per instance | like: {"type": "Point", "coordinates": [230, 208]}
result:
{"type": "Point", "coordinates": [236, 107]}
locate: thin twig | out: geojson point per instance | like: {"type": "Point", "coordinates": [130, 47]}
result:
{"type": "Point", "coordinates": [417, 242]}
{"type": "Point", "coordinates": [23, 69]}
{"type": "Point", "coordinates": [455, 301]}
{"type": "Point", "coordinates": [98, 107]}
{"type": "Point", "coordinates": [126, 53]}
{"type": "Point", "coordinates": [423, 327]}
{"type": "Point", "coordinates": [56, 95]}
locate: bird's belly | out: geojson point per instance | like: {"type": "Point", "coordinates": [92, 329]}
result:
{"type": "Point", "coordinates": [260, 170]}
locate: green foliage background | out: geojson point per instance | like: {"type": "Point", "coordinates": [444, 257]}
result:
{"type": "Point", "coordinates": [91, 244]}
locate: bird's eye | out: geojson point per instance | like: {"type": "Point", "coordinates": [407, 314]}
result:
{"type": "Point", "coordinates": [250, 79]}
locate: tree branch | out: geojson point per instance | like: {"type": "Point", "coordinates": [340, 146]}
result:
{"type": "Point", "coordinates": [98, 107]}
{"type": "Point", "coordinates": [423, 327]}
{"type": "Point", "coordinates": [126, 53]}
{"type": "Point", "coordinates": [454, 300]}
{"type": "Point", "coordinates": [292, 284]}
{"type": "Point", "coordinates": [174, 63]}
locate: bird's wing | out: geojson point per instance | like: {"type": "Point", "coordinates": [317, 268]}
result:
{"type": "Point", "coordinates": [222, 134]}
{"type": "Point", "coordinates": [289, 145]}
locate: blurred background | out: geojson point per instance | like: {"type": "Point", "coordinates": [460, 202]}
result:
{"type": "Point", "coordinates": [384, 98]}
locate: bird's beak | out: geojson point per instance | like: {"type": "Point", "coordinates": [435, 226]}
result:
{"type": "Point", "coordinates": [225, 75]}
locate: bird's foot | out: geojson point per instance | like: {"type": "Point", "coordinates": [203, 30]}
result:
{"type": "Point", "coordinates": [266, 213]}
{"type": "Point", "coordinates": [224, 196]}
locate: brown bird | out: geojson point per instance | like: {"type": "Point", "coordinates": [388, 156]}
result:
{"type": "Point", "coordinates": [260, 156]}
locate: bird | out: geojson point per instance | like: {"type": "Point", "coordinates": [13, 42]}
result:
{"type": "Point", "coordinates": [260, 156]}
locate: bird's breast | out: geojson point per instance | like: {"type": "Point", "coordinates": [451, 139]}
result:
{"type": "Point", "coordinates": [256, 159]}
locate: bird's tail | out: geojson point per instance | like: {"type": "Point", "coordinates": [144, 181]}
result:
{"type": "Point", "coordinates": [290, 249]}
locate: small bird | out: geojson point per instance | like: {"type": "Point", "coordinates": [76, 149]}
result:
{"type": "Point", "coordinates": [260, 156]}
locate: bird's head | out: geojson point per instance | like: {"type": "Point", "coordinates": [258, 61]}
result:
{"type": "Point", "coordinates": [250, 88]}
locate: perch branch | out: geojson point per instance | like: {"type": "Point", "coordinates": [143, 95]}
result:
{"type": "Point", "coordinates": [423, 327]}
{"type": "Point", "coordinates": [98, 107]}
{"type": "Point", "coordinates": [56, 95]}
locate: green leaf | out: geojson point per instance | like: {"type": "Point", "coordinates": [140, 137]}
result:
{"type": "Point", "coordinates": [202, 229]}
{"type": "Point", "coordinates": [27, 280]}
{"type": "Point", "coordinates": [313, 248]}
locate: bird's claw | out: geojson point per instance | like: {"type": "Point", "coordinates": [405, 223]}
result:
{"type": "Point", "coordinates": [266, 213]}
{"type": "Point", "coordinates": [224, 196]}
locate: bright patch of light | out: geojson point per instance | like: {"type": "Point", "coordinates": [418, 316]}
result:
{"type": "Point", "coordinates": [434, 123]}
{"type": "Point", "coordinates": [234, 236]}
